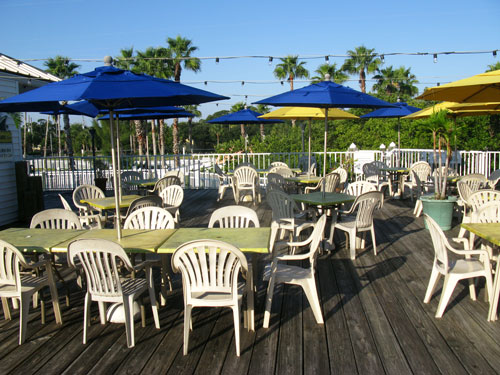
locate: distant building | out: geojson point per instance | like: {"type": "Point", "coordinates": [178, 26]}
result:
{"type": "Point", "coordinates": [16, 77]}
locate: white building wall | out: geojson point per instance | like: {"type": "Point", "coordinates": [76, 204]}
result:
{"type": "Point", "coordinates": [9, 153]}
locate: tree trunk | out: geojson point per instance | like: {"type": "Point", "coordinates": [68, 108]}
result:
{"type": "Point", "coordinates": [362, 81]}
{"type": "Point", "coordinates": [190, 122]}
{"type": "Point", "coordinates": [175, 136]}
{"type": "Point", "coordinates": [59, 135]}
{"type": "Point", "coordinates": [69, 143]}
{"type": "Point", "coordinates": [262, 134]}
{"type": "Point", "coordinates": [242, 129]}
{"type": "Point", "coordinates": [153, 136]}
{"type": "Point", "coordinates": [139, 134]}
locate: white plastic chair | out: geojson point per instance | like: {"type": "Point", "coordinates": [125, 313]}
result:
{"type": "Point", "coordinates": [56, 218]}
{"type": "Point", "coordinates": [92, 221]}
{"type": "Point", "coordinates": [162, 183]}
{"type": "Point", "coordinates": [275, 181]}
{"type": "Point", "coordinates": [172, 197]}
{"type": "Point", "coordinates": [224, 182]}
{"type": "Point", "coordinates": [281, 272]}
{"type": "Point", "coordinates": [146, 201]}
{"type": "Point", "coordinates": [493, 178]}
{"type": "Point", "coordinates": [101, 260]}
{"type": "Point", "coordinates": [467, 185]}
{"type": "Point", "coordinates": [473, 200]}
{"type": "Point", "coordinates": [359, 187]}
{"type": "Point", "coordinates": [331, 183]}
{"type": "Point", "coordinates": [486, 213]}
{"type": "Point", "coordinates": [343, 176]}
{"type": "Point", "coordinates": [210, 272]}
{"type": "Point", "coordinates": [128, 178]}
{"type": "Point", "coordinates": [423, 170]}
{"type": "Point", "coordinates": [454, 270]}
{"type": "Point", "coordinates": [359, 219]}
{"type": "Point", "coordinates": [278, 164]}
{"type": "Point", "coordinates": [86, 192]}
{"type": "Point", "coordinates": [22, 287]}
{"type": "Point", "coordinates": [245, 178]}
{"type": "Point", "coordinates": [234, 217]}
{"type": "Point", "coordinates": [372, 174]}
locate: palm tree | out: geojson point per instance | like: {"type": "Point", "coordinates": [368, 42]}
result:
{"type": "Point", "coordinates": [63, 68]}
{"type": "Point", "coordinates": [361, 61]}
{"type": "Point", "coordinates": [396, 81]}
{"type": "Point", "coordinates": [493, 67]}
{"type": "Point", "coordinates": [181, 50]}
{"type": "Point", "coordinates": [240, 106]}
{"type": "Point", "coordinates": [126, 60]}
{"type": "Point", "coordinates": [262, 108]}
{"type": "Point", "coordinates": [194, 110]}
{"type": "Point", "coordinates": [337, 75]}
{"type": "Point", "coordinates": [290, 69]}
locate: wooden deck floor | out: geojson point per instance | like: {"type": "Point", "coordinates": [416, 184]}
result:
{"type": "Point", "coordinates": [375, 320]}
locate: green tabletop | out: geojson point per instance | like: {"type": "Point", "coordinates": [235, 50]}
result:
{"type": "Point", "coordinates": [319, 198]}
{"type": "Point", "coordinates": [253, 240]}
{"type": "Point", "coordinates": [133, 240]}
{"type": "Point", "coordinates": [488, 231]}
{"type": "Point", "coordinates": [395, 169]}
{"type": "Point", "coordinates": [304, 179]}
{"type": "Point", "coordinates": [37, 239]}
{"type": "Point", "coordinates": [109, 202]}
{"type": "Point", "coordinates": [143, 182]}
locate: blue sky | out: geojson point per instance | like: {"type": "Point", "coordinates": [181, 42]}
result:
{"type": "Point", "coordinates": [37, 29]}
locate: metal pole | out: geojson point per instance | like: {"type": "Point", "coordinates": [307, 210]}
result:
{"type": "Point", "coordinates": [324, 149]}
{"type": "Point", "coordinates": [115, 182]}
{"type": "Point", "coordinates": [399, 141]}
{"type": "Point", "coordinates": [309, 153]}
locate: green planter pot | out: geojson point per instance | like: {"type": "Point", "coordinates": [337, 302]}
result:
{"type": "Point", "coordinates": [440, 210]}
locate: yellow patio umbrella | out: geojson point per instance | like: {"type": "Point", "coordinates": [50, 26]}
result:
{"type": "Point", "coordinates": [481, 88]}
{"type": "Point", "coordinates": [307, 113]}
{"type": "Point", "coordinates": [458, 110]}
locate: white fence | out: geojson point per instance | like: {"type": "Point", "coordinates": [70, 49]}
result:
{"type": "Point", "coordinates": [198, 168]}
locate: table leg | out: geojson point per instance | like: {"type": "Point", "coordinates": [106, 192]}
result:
{"type": "Point", "coordinates": [492, 313]}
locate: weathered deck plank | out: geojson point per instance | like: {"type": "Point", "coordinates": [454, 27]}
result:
{"type": "Point", "coordinates": [375, 319]}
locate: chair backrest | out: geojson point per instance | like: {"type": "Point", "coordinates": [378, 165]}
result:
{"type": "Point", "coordinates": [370, 169]}
{"type": "Point", "coordinates": [316, 236]}
{"type": "Point", "coordinates": [162, 183]}
{"type": "Point", "coordinates": [278, 164]}
{"type": "Point", "coordinates": [209, 266]}
{"type": "Point", "coordinates": [65, 203]}
{"type": "Point", "coordinates": [234, 217]}
{"type": "Point", "coordinates": [488, 213]}
{"type": "Point", "coordinates": [101, 261]}
{"type": "Point", "coordinates": [218, 170]}
{"type": "Point", "coordinates": [172, 196]}
{"type": "Point", "coordinates": [332, 182]}
{"type": "Point", "coordinates": [342, 174]}
{"type": "Point", "coordinates": [469, 184]}
{"type": "Point", "coordinates": [275, 178]}
{"type": "Point", "coordinates": [282, 205]}
{"type": "Point", "coordinates": [440, 243]}
{"type": "Point", "coordinates": [150, 218]}
{"type": "Point", "coordinates": [246, 164]}
{"type": "Point", "coordinates": [177, 173]}
{"type": "Point", "coordinates": [366, 204]}
{"type": "Point", "coordinates": [86, 192]}
{"type": "Point", "coordinates": [246, 175]}
{"type": "Point", "coordinates": [147, 201]}
{"type": "Point", "coordinates": [303, 163]}
{"type": "Point", "coordinates": [360, 187]}
{"type": "Point", "coordinates": [493, 178]}
{"type": "Point", "coordinates": [56, 218]}
{"type": "Point", "coordinates": [282, 170]}
{"type": "Point", "coordinates": [11, 260]}
{"type": "Point", "coordinates": [422, 169]}
{"type": "Point", "coordinates": [129, 177]}
{"type": "Point", "coordinates": [480, 197]}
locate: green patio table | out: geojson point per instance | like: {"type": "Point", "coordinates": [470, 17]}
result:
{"type": "Point", "coordinates": [248, 240]}
{"type": "Point", "coordinates": [491, 233]}
{"type": "Point", "coordinates": [142, 182]}
{"type": "Point", "coordinates": [108, 203]}
{"type": "Point", "coordinates": [397, 175]}
{"type": "Point", "coordinates": [305, 179]}
{"type": "Point", "coordinates": [37, 239]}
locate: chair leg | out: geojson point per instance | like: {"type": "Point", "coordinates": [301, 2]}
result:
{"type": "Point", "coordinates": [312, 296]}
{"type": "Point", "coordinates": [236, 318]}
{"type": "Point", "coordinates": [55, 300]}
{"type": "Point", "coordinates": [102, 312]}
{"type": "Point", "coordinates": [6, 309]}
{"type": "Point", "coordinates": [152, 296]}
{"type": "Point", "coordinates": [432, 284]}
{"type": "Point", "coordinates": [352, 244]}
{"type": "Point", "coordinates": [86, 317]}
{"type": "Point", "coordinates": [374, 241]}
{"type": "Point", "coordinates": [450, 282]}
{"type": "Point", "coordinates": [23, 317]}
{"type": "Point", "coordinates": [269, 296]}
{"type": "Point", "coordinates": [187, 326]}
{"type": "Point", "coordinates": [128, 306]}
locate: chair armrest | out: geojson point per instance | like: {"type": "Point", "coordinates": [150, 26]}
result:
{"type": "Point", "coordinates": [144, 264]}
{"type": "Point", "coordinates": [463, 241]}
{"type": "Point", "coordinates": [39, 264]}
{"type": "Point", "coordinates": [292, 257]}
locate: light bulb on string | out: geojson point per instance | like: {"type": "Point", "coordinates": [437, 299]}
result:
{"type": "Point", "coordinates": [270, 60]}
{"type": "Point", "coordinates": [435, 58]}
{"type": "Point", "coordinates": [216, 60]}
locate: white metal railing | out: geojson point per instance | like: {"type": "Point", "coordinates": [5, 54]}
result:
{"type": "Point", "coordinates": [57, 173]}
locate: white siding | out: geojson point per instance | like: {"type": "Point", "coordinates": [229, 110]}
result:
{"type": "Point", "coordinates": [8, 192]}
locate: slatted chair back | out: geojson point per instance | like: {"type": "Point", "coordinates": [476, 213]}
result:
{"type": "Point", "coordinates": [481, 197]}
{"type": "Point", "coordinates": [246, 176]}
{"type": "Point", "coordinates": [282, 205]}
{"type": "Point", "coordinates": [234, 217]}
{"type": "Point", "coordinates": [370, 170]}
{"type": "Point", "coordinates": [488, 213]}
{"type": "Point", "coordinates": [275, 178]}
{"type": "Point", "coordinates": [246, 164]}
{"type": "Point", "coordinates": [422, 169]}
{"type": "Point", "coordinates": [65, 203]}
{"type": "Point", "coordinates": [150, 218]}
{"type": "Point", "coordinates": [147, 201]}
{"type": "Point", "coordinates": [86, 192]}
{"type": "Point", "coordinates": [278, 164]}
{"type": "Point", "coordinates": [162, 183]}
{"type": "Point", "coordinates": [315, 239]}
{"type": "Point", "coordinates": [332, 182]}
{"type": "Point", "coordinates": [172, 196]}
{"type": "Point", "coordinates": [493, 178]}
{"type": "Point", "coordinates": [366, 204]}
{"type": "Point", "coordinates": [303, 163]}
{"type": "Point", "coordinates": [342, 174]}
{"type": "Point", "coordinates": [209, 266]}
{"type": "Point", "coordinates": [282, 170]}
{"type": "Point", "coordinates": [56, 218]}
{"type": "Point", "coordinates": [128, 178]}
{"type": "Point", "coordinates": [440, 243]}
{"type": "Point", "coordinates": [469, 184]}
{"type": "Point", "coordinates": [11, 261]}
{"type": "Point", "coordinates": [359, 187]}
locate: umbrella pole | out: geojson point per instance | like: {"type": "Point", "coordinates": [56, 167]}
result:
{"type": "Point", "coordinates": [119, 159]}
{"type": "Point", "coordinates": [399, 141]}
{"type": "Point", "coordinates": [324, 149]}
{"type": "Point", "coordinates": [115, 182]}
{"type": "Point", "coordinates": [309, 153]}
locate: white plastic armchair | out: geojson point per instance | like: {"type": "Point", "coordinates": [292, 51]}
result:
{"type": "Point", "coordinates": [372, 174]}
{"type": "Point", "coordinates": [56, 218]}
{"type": "Point", "coordinates": [210, 272]}
{"type": "Point", "coordinates": [128, 178]}
{"type": "Point", "coordinates": [172, 197]}
{"type": "Point", "coordinates": [359, 219]}
{"type": "Point", "coordinates": [343, 176]}
{"type": "Point", "coordinates": [101, 260]}
{"type": "Point", "coordinates": [486, 213]}
{"type": "Point", "coordinates": [22, 287]}
{"type": "Point", "coordinates": [474, 202]}
{"type": "Point", "coordinates": [86, 192]}
{"type": "Point", "coordinates": [224, 182]}
{"type": "Point", "coordinates": [493, 178]}
{"type": "Point", "coordinates": [453, 269]}
{"type": "Point", "coordinates": [234, 217]}
{"type": "Point", "coordinates": [278, 164]}
{"type": "Point", "coordinates": [283, 272]}
{"type": "Point", "coordinates": [146, 201]}
{"type": "Point", "coordinates": [275, 181]}
{"type": "Point", "coordinates": [246, 179]}
{"type": "Point", "coordinates": [423, 170]}
{"type": "Point", "coordinates": [90, 221]}
{"type": "Point", "coordinates": [331, 183]}
{"type": "Point", "coordinates": [467, 185]}
{"type": "Point", "coordinates": [359, 187]}
{"type": "Point", "coordinates": [150, 218]}
{"type": "Point", "coordinates": [162, 183]}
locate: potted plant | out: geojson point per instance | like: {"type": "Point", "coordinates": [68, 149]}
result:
{"type": "Point", "coordinates": [439, 205]}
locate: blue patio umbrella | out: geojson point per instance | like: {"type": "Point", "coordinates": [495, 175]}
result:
{"type": "Point", "coordinates": [245, 116]}
{"type": "Point", "coordinates": [401, 109]}
{"type": "Point", "coordinates": [150, 115]}
{"type": "Point", "coordinates": [325, 94]}
{"type": "Point", "coordinates": [110, 88]}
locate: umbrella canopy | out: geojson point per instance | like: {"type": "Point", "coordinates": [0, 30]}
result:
{"type": "Point", "coordinates": [454, 110]}
{"type": "Point", "coordinates": [325, 94]}
{"type": "Point", "coordinates": [150, 115]}
{"type": "Point", "coordinates": [140, 110]}
{"type": "Point", "coordinates": [80, 108]}
{"type": "Point", "coordinates": [245, 116]}
{"type": "Point", "coordinates": [400, 110]}
{"type": "Point", "coordinates": [307, 113]}
{"type": "Point", "coordinates": [484, 87]}
{"type": "Point", "coordinates": [110, 88]}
